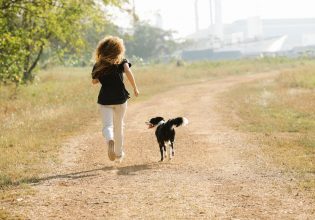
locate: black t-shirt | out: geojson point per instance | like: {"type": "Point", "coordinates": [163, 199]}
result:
{"type": "Point", "coordinates": [113, 91]}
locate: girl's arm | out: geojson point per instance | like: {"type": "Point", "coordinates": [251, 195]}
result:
{"type": "Point", "coordinates": [131, 79]}
{"type": "Point", "coordinates": [95, 81]}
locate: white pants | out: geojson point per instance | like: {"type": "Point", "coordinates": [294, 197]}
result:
{"type": "Point", "coordinates": [113, 124]}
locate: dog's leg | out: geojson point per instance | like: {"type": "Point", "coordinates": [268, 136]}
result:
{"type": "Point", "coordinates": [172, 139]}
{"type": "Point", "coordinates": [165, 152]}
{"type": "Point", "coordinates": [161, 151]}
{"type": "Point", "coordinates": [170, 157]}
{"type": "Point", "coordinates": [172, 149]}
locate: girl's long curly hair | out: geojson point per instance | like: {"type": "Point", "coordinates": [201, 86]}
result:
{"type": "Point", "coordinates": [109, 51]}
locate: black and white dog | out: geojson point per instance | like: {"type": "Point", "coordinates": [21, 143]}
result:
{"type": "Point", "coordinates": [165, 133]}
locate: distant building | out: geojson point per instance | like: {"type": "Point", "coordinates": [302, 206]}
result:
{"type": "Point", "coordinates": [254, 28]}
{"type": "Point", "coordinates": [254, 36]}
{"type": "Point", "coordinates": [298, 31]}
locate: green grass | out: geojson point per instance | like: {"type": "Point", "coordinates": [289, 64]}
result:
{"type": "Point", "coordinates": [281, 113]}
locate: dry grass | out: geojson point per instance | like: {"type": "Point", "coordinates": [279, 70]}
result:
{"type": "Point", "coordinates": [13, 197]}
{"type": "Point", "coordinates": [62, 102]}
{"type": "Point", "coordinates": [38, 119]}
{"type": "Point", "coordinates": [281, 113]}
{"type": "Point", "coordinates": [158, 78]}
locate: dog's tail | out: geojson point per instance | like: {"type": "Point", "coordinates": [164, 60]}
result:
{"type": "Point", "coordinates": [176, 122]}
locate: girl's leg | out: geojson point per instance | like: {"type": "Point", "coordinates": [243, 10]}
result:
{"type": "Point", "coordinates": [108, 133]}
{"type": "Point", "coordinates": [107, 120]}
{"type": "Point", "coordinates": [119, 114]}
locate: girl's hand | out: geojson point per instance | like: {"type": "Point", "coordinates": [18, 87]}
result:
{"type": "Point", "coordinates": [136, 92]}
{"type": "Point", "coordinates": [95, 81]}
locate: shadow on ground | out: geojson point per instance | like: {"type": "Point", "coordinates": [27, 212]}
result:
{"type": "Point", "coordinates": [124, 170]}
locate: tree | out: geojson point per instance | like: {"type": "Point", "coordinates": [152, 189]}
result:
{"type": "Point", "coordinates": [27, 27]}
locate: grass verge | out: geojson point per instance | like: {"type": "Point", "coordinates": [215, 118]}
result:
{"type": "Point", "coordinates": [281, 113]}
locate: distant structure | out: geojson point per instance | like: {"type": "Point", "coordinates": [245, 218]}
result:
{"type": "Point", "coordinates": [248, 37]}
{"type": "Point", "coordinates": [254, 28]}
{"type": "Point", "coordinates": [211, 13]}
{"type": "Point", "coordinates": [218, 23]}
{"type": "Point", "coordinates": [196, 16]}
{"type": "Point", "coordinates": [158, 20]}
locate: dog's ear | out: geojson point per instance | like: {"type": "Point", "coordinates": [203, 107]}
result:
{"type": "Point", "coordinates": [156, 120]}
{"type": "Point", "coordinates": [161, 118]}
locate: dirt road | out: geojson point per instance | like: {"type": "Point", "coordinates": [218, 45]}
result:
{"type": "Point", "coordinates": [216, 173]}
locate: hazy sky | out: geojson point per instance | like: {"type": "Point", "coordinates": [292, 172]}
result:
{"type": "Point", "coordinates": [179, 15]}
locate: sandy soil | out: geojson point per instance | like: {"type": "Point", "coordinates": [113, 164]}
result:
{"type": "Point", "coordinates": [217, 173]}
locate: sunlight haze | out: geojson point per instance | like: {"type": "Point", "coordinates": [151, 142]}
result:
{"type": "Point", "coordinates": [179, 15]}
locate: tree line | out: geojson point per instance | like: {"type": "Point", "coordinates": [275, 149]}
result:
{"type": "Point", "coordinates": [35, 33]}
